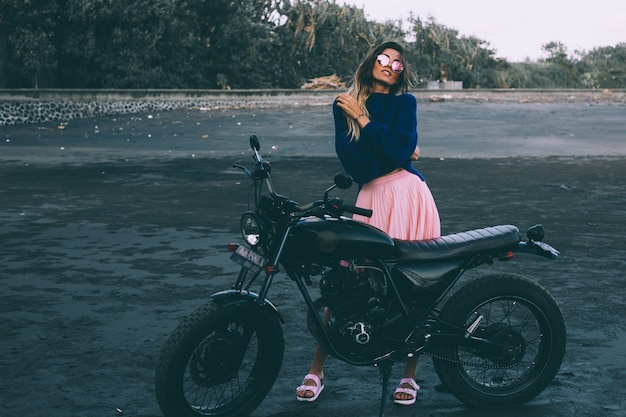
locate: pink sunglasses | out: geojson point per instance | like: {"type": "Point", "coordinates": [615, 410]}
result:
{"type": "Point", "coordinates": [396, 66]}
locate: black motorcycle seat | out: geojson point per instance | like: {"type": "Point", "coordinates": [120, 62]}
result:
{"type": "Point", "coordinates": [459, 245]}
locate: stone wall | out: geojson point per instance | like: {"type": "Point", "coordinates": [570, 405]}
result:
{"type": "Point", "coordinates": [40, 106]}
{"type": "Point", "coordinates": [47, 106]}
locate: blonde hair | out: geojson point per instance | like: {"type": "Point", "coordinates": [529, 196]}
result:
{"type": "Point", "coordinates": [363, 83]}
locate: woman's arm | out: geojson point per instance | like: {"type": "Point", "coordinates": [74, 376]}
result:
{"type": "Point", "coordinates": [395, 138]}
{"type": "Point", "coordinates": [357, 158]}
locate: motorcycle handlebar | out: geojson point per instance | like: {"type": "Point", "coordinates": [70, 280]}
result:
{"type": "Point", "coordinates": [357, 210]}
{"type": "Point", "coordinates": [337, 205]}
{"type": "Point", "coordinates": [306, 207]}
{"type": "Point", "coordinates": [264, 168]}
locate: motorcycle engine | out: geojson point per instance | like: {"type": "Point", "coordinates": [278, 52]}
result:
{"type": "Point", "coordinates": [355, 295]}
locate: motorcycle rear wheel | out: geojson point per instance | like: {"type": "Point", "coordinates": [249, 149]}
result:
{"type": "Point", "coordinates": [517, 313]}
{"type": "Point", "coordinates": [220, 361]}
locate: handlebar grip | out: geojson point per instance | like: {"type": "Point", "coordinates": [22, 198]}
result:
{"type": "Point", "coordinates": [357, 210]}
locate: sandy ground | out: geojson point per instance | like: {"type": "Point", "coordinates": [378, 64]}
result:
{"type": "Point", "coordinates": [112, 229]}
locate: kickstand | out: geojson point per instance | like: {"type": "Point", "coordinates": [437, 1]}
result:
{"type": "Point", "coordinates": [385, 373]}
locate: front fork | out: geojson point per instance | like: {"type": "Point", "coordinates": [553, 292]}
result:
{"type": "Point", "coordinates": [241, 278]}
{"type": "Point", "coordinates": [271, 269]}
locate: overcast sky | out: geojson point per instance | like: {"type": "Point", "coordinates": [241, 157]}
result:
{"type": "Point", "coordinates": [515, 29]}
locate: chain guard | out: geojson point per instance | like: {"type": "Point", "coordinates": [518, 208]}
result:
{"type": "Point", "coordinates": [464, 363]}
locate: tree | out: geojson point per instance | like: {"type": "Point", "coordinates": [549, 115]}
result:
{"type": "Point", "coordinates": [323, 38]}
{"type": "Point", "coordinates": [246, 54]}
{"type": "Point", "coordinates": [563, 65]}
{"type": "Point", "coordinates": [442, 55]}
{"type": "Point", "coordinates": [604, 67]}
{"type": "Point", "coordinates": [255, 44]}
{"type": "Point", "coordinates": [31, 51]}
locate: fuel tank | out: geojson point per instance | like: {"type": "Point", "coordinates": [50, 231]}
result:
{"type": "Point", "coordinates": [314, 239]}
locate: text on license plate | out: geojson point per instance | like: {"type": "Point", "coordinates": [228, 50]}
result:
{"type": "Point", "coordinates": [249, 259]}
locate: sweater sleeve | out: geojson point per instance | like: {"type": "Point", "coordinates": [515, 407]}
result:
{"type": "Point", "coordinates": [395, 138]}
{"type": "Point", "coordinates": [358, 158]}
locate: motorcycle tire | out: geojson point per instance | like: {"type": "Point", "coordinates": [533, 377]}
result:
{"type": "Point", "coordinates": [518, 314]}
{"type": "Point", "coordinates": [220, 361]}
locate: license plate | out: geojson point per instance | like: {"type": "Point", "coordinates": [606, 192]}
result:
{"type": "Point", "coordinates": [249, 259]}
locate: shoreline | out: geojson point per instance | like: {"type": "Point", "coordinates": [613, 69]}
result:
{"type": "Point", "coordinates": [27, 106]}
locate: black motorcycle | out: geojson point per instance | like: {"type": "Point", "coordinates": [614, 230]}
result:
{"type": "Point", "coordinates": [499, 340]}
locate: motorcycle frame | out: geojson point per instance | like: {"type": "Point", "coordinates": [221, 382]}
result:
{"type": "Point", "coordinates": [427, 322]}
{"type": "Point", "coordinates": [303, 281]}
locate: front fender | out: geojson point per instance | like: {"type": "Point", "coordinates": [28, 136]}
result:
{"type": "Point", "coordinates": [229, 298]}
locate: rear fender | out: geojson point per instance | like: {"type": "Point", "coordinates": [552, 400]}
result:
{"type": "Point", "coordinates": [538, 248]}
{"type": "Point", "coordinates": [229, 298]}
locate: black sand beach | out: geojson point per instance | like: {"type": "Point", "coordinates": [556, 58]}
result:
{"type": "Point", "coordinates": [114, 228]}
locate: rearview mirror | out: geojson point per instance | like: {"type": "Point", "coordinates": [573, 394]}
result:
{"type": "Point", "coordinates": [254, 143]}
{"type": "Point", "coordinates": [343, 180]}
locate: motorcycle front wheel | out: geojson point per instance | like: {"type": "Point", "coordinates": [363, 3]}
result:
{"type": "Point", "coordinates": [220, 361]}
{"type": "Point", "coordinates": [523, 320]}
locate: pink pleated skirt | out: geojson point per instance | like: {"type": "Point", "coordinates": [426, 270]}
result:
{"type": "Point", "coordinates": [402, 206]}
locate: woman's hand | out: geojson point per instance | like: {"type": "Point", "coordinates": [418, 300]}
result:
{"type": "Point", "coordinates": [349, 105]}
{"type": "Point", "coordinates": [416, 154]}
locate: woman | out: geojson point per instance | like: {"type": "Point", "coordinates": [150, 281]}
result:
{"type": "Point", "coordinates": [376, 141]}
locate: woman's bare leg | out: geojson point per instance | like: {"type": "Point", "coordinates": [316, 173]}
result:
{"type": "Point", "coordinates": [317, 368]}
{"type": "Point", "coordinates": [410, 371]}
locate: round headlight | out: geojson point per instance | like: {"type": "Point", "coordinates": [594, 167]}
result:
{"type": "Point", "coordinates": [251, 228]}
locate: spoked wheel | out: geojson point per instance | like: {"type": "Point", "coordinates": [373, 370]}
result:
{"type": "Point", "coordinates": [525, 336]}
{"type": "Point", "coordinates": [220, 361]}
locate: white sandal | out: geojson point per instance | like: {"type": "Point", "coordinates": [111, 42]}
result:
{"type": "Point", "coordinates": [315, 389]}
{"type": "Point", "coordinates": [409, 391]}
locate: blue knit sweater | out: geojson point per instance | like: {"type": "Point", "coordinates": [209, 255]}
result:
{"type": "Point", "coordinates": [386, 143]}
